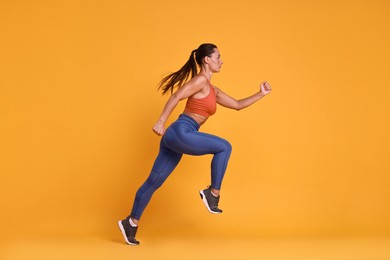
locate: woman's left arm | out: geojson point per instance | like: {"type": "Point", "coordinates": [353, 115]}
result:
{"type": "Point", "coordinates": [227, 101]}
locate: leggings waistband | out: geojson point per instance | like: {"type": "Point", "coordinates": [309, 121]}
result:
{"type": "Point", "coordinates": [188, 119]}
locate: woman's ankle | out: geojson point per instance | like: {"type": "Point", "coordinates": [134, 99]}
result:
{"type": "Point", "coordinates": [133, 222]}
{"type": "Point", "coordinates": [215, 192]}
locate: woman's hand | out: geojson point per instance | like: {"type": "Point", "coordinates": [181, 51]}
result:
{"type": "Point", "coordinates": [159, 128]}
{"type": "Point", "coordinates": [265, 88]}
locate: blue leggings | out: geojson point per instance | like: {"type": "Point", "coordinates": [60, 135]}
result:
{"type": "Point", "coordinates": [182, 137]}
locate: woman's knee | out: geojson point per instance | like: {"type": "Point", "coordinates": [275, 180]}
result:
{"type": "Point", "coordinates": [226, 146]}
{"type": "Point", "coordinates": [230, 148]}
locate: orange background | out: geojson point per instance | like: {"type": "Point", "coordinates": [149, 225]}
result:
{"type": "Point", "coordinates": [78, 100]}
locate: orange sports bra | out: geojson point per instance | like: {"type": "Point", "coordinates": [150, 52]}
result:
{"type": "Point", "coordinates": [203, 106]}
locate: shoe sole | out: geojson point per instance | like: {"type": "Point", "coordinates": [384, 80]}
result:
{"type": "Point", "coordinates": [203, 197]}
{"type": "Point", "coordinates": [124, 234]}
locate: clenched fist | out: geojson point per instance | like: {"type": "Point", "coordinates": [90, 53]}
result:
{"type": "Point", "coordinates": [159, 128]}
{"type": "Point", "coordinates": [265, 88]}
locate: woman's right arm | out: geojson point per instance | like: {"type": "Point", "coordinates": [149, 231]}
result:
{"type": "Point", "coordinates": [190, 88]}
{"type": "Point", "coordinates": [159, 127]}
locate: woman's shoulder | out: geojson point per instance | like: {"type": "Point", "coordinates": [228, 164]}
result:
{"type": "Point", "coordinates": [199, 82]}
{"type": "Point", "coordinates": [200, 79]}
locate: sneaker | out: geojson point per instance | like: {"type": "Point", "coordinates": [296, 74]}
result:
{"type": "Point", "coordinates": [128, 232]}
{"type": "Point", "coordinates": [210, 201]}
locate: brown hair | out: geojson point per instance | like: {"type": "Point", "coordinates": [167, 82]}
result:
{"type": "Point", "coordinates": [180, 77]}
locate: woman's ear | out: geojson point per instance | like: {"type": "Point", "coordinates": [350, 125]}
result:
{"type": "Point", "coordinates": [206, 60]}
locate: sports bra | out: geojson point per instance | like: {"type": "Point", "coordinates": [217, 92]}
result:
{"type": "Point", "coordinates": [206, 106]}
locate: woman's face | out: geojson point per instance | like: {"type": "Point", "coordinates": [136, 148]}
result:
{"type": "Point", "coordinates": [215, 61]}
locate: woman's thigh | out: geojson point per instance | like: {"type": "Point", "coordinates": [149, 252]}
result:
{"type": "Point", "coordinates": [195, 143]}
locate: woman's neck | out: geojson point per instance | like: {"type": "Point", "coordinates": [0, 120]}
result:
{"type": "Point", "coordinates": [207, 73]}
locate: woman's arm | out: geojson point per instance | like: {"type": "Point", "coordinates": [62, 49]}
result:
{"type": "Point", "coordinates": [227, 101]}
{"type": "Point", "coordinates": [190, 88]}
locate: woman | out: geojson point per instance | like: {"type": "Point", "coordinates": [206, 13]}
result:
{"type": "Point", "coordinates": [182, 137]}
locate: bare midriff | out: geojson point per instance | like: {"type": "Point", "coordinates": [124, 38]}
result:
{"type": "Point", "coordinates": [198, 118]}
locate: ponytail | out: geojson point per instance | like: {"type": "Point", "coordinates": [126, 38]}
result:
{"type": "Point", "coordinates": [180, 77]}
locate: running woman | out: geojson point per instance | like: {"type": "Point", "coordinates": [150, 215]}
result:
{"type": "Point", "coordinates": [183, 136]}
